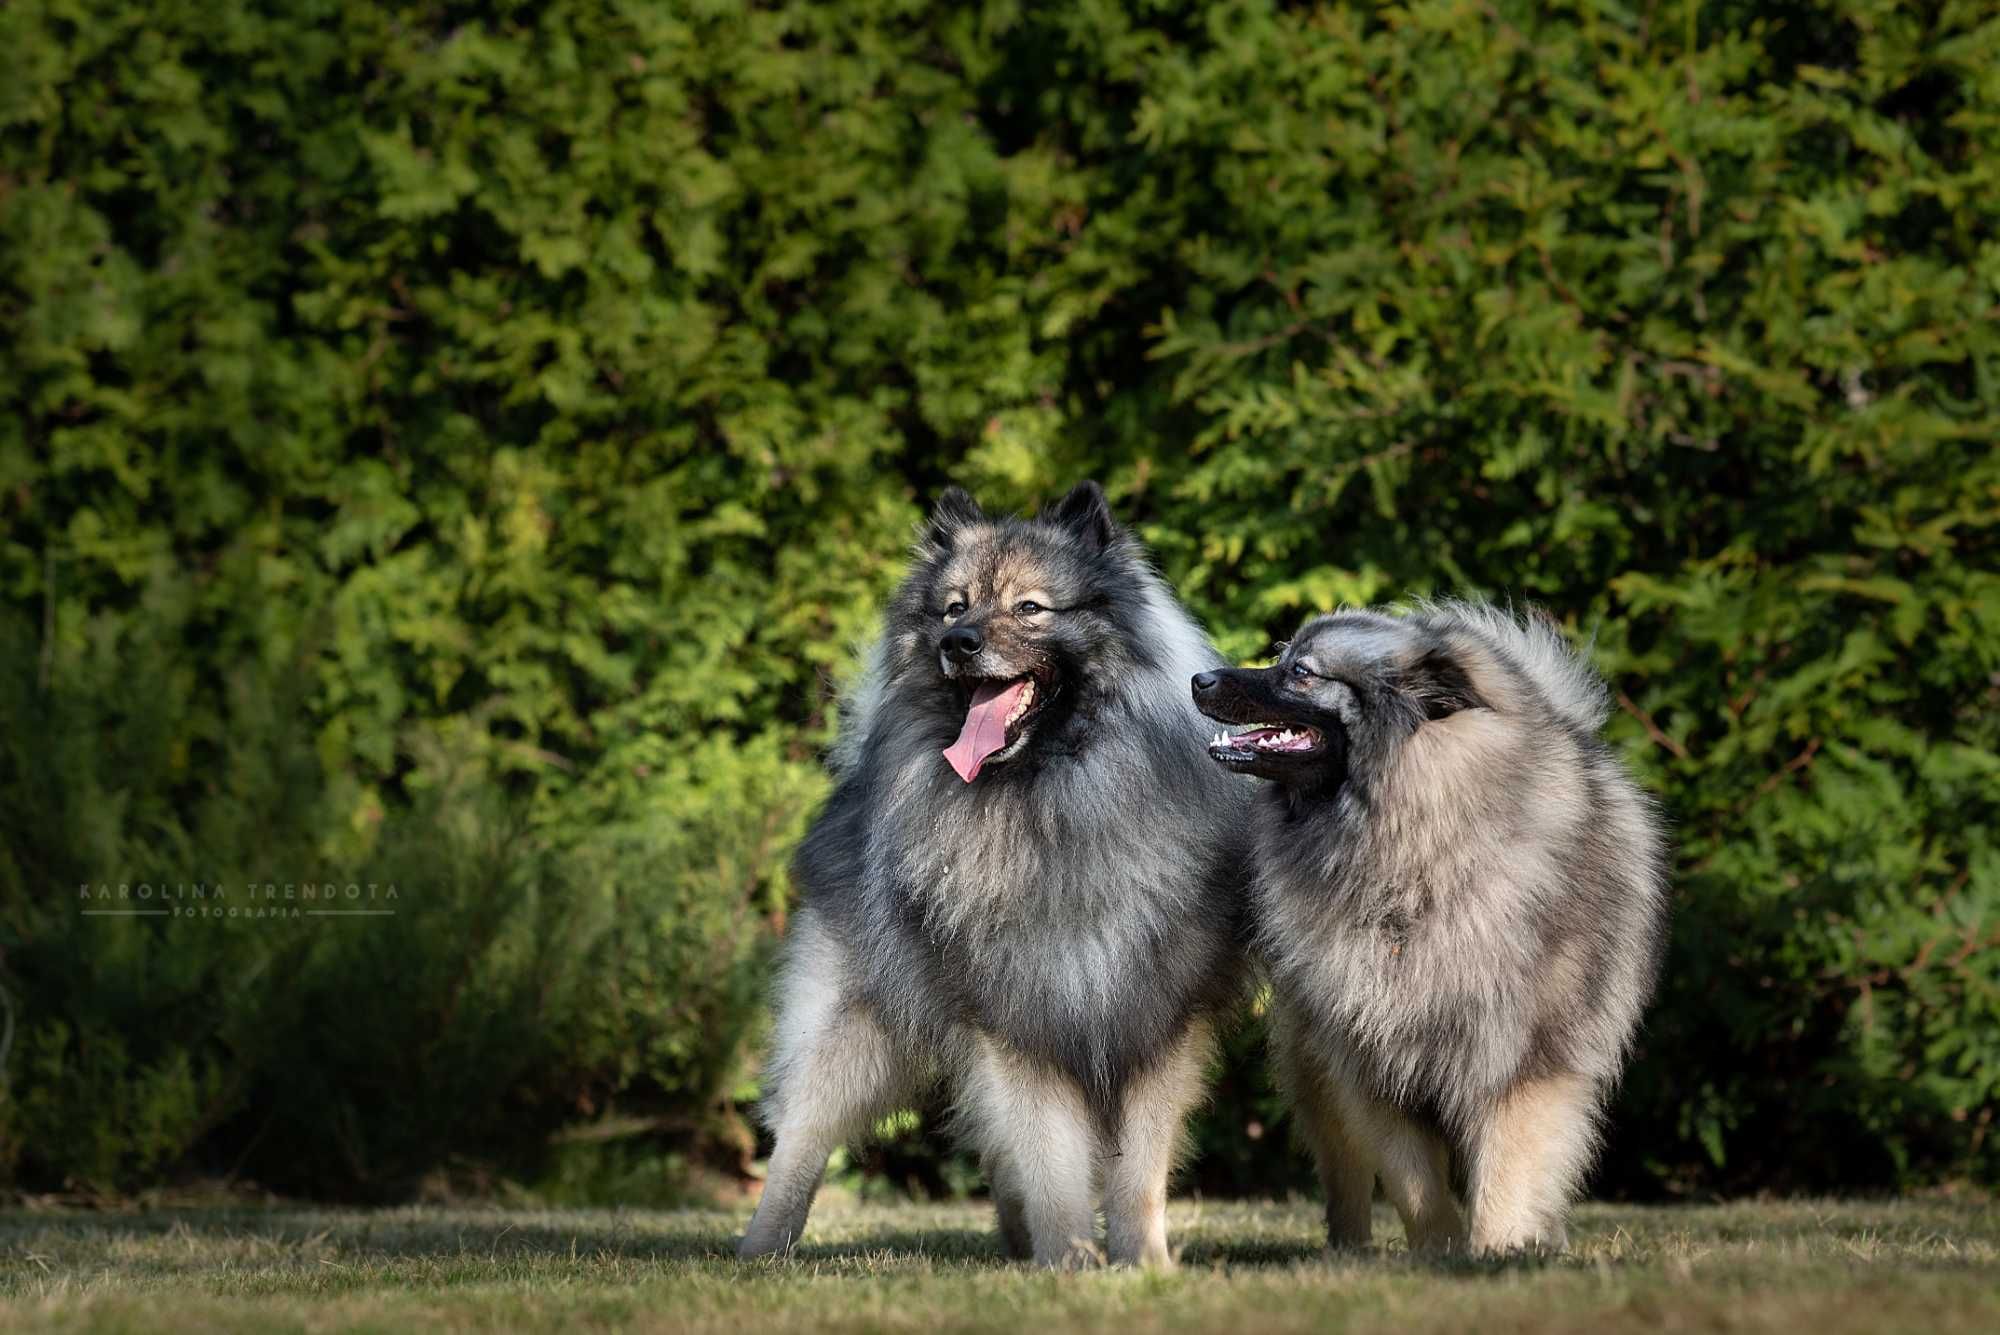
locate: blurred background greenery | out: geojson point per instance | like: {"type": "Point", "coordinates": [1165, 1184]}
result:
{"type": "Point", "coordinates": [457, 446]}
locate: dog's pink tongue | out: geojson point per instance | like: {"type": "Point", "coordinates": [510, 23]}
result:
{"type": "Point", "coordinates": [985, 729]}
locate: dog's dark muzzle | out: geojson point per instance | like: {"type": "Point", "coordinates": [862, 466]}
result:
{"type": "Point", "coordinates": [1236, 695]}
{"type": "Point", "coordinates": [1289, 738]}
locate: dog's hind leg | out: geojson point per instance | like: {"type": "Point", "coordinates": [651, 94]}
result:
{"type": "Point", "coordinates": [1528, 1161]}
{"type": "Point", "coordinates": [1011, 1208]}
{"type": "Point", "coordinates": [1153, 1113]}
{"type": "Point", "coordinates": [1032, 1119]}
{"type": "Point", "coordinates": [1415, 1167]}
{"type": "Point", "coordinates": [835, 1072]}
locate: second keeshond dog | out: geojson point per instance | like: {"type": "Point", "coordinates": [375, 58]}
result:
{"type": "Point", "coordinates": [1461, 897]}
{"type": "Point", "coordinates": [1026, 886]}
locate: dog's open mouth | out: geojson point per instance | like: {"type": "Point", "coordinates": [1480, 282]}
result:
{"type": "Point", "coordinates": [999, 714]}
{"type": "Point", "coordinates": [1263, 739]}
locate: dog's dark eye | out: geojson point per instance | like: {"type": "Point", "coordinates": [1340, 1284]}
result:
{"type": "Point", "coordinates": [955, 610]}
{"type": "Point", "coordinates": [1300, 672]}
{"type": "Point", "coordinates": [1027, 607]}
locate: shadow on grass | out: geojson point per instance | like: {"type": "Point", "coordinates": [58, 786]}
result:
{"type": "Point", "coordinates": [1266, 1255]}
{"type": "Point", "coordinates": [394, 1235]}
{"type": "Point", "coordinates": [1260, 1253]}
{"type": "Point", "coordinates": [389, 1235]}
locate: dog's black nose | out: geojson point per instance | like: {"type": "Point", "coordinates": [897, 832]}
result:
{"type": "Point", "coordinates": [962, 642]}
{"type": "Point", "coordinates": [1204, 682]}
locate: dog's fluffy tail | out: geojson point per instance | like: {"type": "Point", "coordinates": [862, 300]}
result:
{"type": "Point", "coordinates": [1534, 640]}
{"type": "Point", "coordinates": [859, 700]}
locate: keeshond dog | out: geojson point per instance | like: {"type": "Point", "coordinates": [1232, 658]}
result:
{"type": "Point", "coordinates": [1461, 897]}
{"type": "Point", "coordinates": [1026, 887]}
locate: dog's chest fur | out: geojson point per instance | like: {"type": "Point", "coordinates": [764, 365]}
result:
{"type": "Point", "coordinates": [1081, 915]}
{"type": "Point", "coordinates": [1404, 973]}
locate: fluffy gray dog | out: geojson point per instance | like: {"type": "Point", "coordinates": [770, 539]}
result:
{"type": "Point", "coordinates": [1462, 899]}
{"type": "Point", "coordinates": [1026, 886]}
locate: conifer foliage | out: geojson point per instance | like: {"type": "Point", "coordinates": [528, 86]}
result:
{"type": "Point", "coordinates": [464, 443]}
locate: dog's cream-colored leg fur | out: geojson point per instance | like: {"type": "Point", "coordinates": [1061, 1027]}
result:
{"type": "Point", "coordinates": [1034, 1123]}
{"type": "Point", "coordinates": [1346, 1169]}
{"type": "Point", "coordinates": [1154, 1110]}
{"type": "Point", "coordinates": [1528, 1159]}
{"type": "Point", "coordinates": [1415, 1167]}
{"type": "Point", "coordinates": [836, 1074]}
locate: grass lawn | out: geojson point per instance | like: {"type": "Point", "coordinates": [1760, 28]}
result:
{"type": "Point", "coordinates": [1821, 1267]}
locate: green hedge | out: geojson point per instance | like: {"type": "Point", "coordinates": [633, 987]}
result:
{"type": "Point", "coordinates": [543, 394]}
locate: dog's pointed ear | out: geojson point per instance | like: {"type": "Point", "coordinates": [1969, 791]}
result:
{"type": "Point", "coordinates": [1086, 513]}
{"type": "Point", "coordinates": [954, 511]}
{"type": "Point", "coordinates": [1440, 684]}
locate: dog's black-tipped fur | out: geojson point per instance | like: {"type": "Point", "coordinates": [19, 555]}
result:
{"type": "Point", "coordinates": [1463, 906]}
{"type": "Point", "coordinates": [1052, 928]}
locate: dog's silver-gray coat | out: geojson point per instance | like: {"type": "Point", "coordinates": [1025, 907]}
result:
{"type": "Point", "coordinates": [1051, 941]}
{"type": "Point", "coordinates": [1463, 934]}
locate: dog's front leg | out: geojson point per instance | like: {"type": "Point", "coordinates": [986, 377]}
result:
{"type": "Point", "coordinates": [1528, 1163]}
{"type": "Point", "coordinates": [1346, 1168]}
{"type": "Point", "coordinates": [1154, 1111]}
{"type": "Point", "coordinates": [1032, 1121]}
